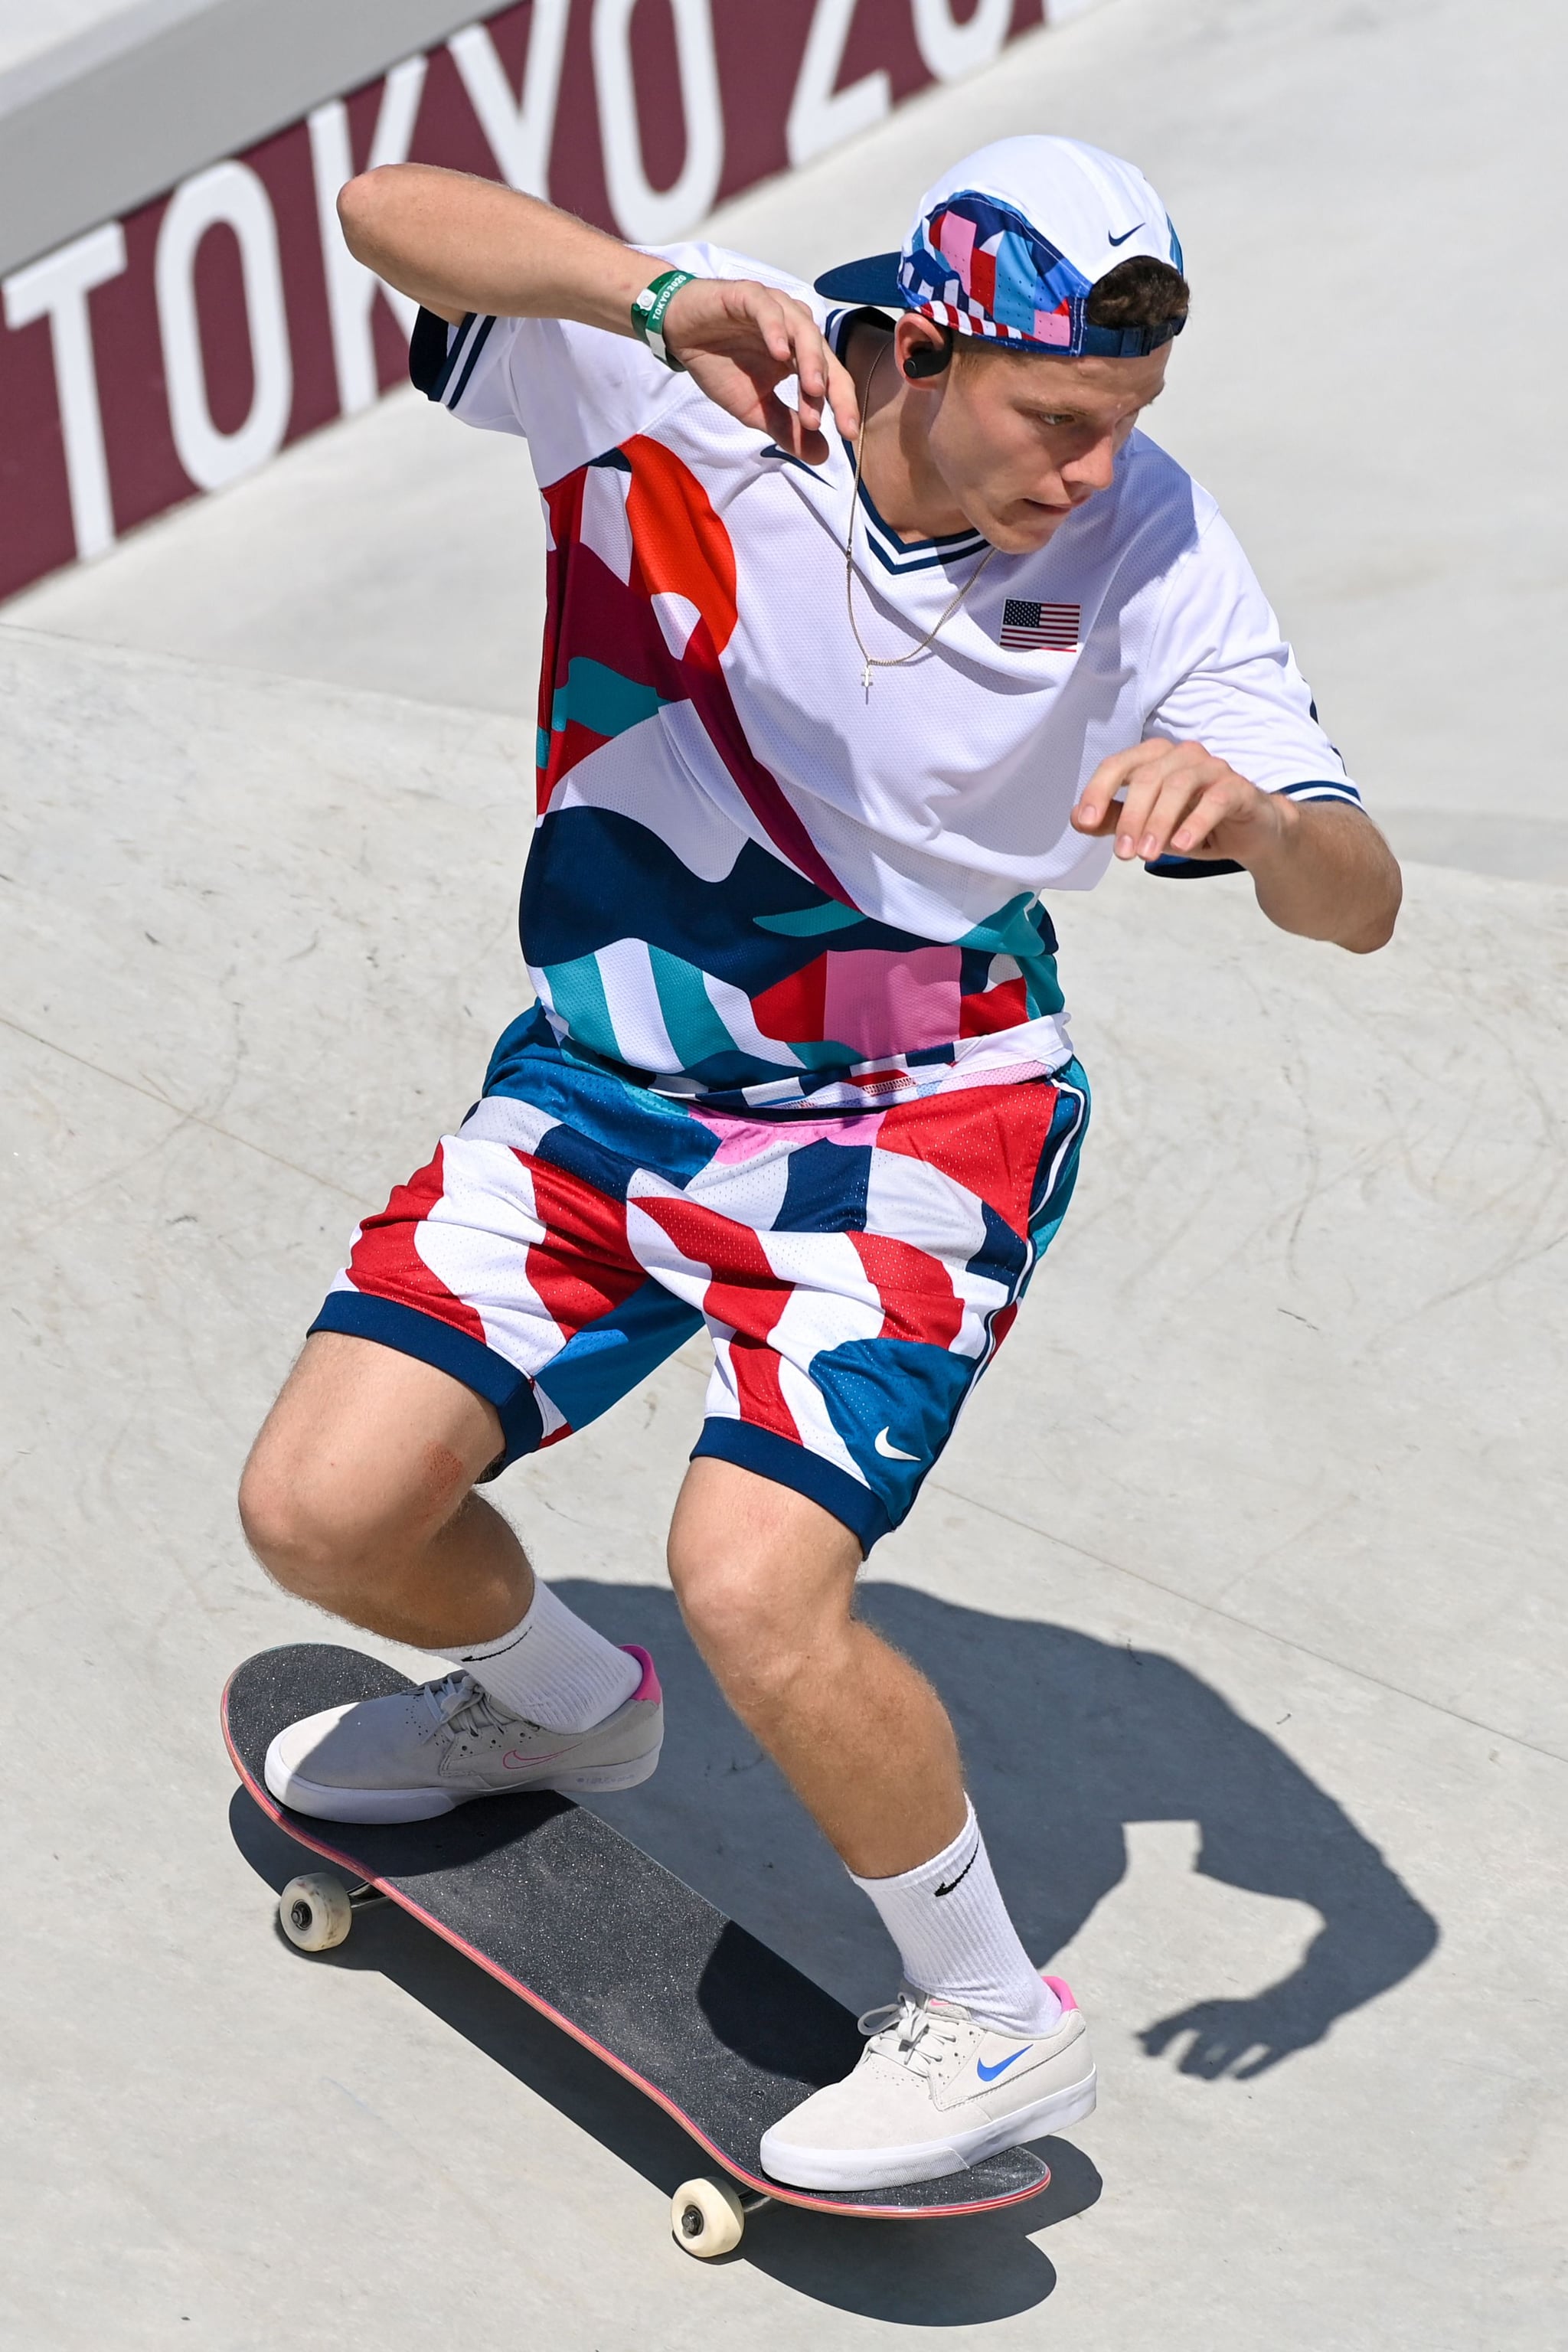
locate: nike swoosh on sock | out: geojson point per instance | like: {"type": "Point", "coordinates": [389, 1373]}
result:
{"type": "Point", "coordinates": [960, 1879]}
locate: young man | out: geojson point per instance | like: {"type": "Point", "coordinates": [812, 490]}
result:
{"type": "Point", "coordinates": [860, 635]}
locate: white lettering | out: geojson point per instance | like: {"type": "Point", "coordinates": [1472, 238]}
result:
{"type": "Point", "coordinates": [57, 288]}
{"type": "Point", "coordinates": [520, 133]}
{"type": "Point", "coordinates": [232, 194]}
{"type": "Point", "coordinates": [819, 115]}
{"type": "Point", "coordinates": [951, 50]}
{"type": "Point", "coordinates": [646, 214]}
{"type": "Point", "coordinates": [352, 288]}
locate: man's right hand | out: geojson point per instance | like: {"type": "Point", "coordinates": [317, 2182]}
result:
{"type": "Point", "coordinates": [739, 340]}
{"type": "Point", "coordinates": [457, 245]}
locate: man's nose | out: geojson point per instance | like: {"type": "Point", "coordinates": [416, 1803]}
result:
{"type": "Point", "coordinates": [1094, 469]}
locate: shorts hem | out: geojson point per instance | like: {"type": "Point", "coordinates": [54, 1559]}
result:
{"type": "Point", "coordinates": [789, 1463]}
{"type": "Point", "coordinates": [390, 1324]}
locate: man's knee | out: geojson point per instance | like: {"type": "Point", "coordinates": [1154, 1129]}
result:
{"type": "Point", "coordinates": [330, 1525]}
{"type": "Point", "coordinates": [724, 1600]}
{"type": "Point", "coordinates": [299, 1521]}
{"type": "Point", "coordinates": [759, 1599]}
{"type": "Point", "coordinates": [364, 1459]}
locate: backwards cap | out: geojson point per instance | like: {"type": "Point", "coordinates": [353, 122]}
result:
{"type": "Point", "coordinates": [1011, 243]}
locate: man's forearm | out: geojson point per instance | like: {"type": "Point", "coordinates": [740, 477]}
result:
{"type": "Point", "coordinates": [1327, 874]}
{"type": "Point", "coordinates": [456, 244]}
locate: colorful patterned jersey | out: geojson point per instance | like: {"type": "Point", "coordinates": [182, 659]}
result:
{"type": "Point", "coordinates": [754, 883]}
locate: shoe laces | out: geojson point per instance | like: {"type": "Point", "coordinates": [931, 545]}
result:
{"type": "Point", "coordinates": [910, 2034]}
{"type": "Point", "coordinates": [457, 1703]}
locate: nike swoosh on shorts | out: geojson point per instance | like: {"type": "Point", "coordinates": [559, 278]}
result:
{"type": "Point", "coordinates": [890, 1453]}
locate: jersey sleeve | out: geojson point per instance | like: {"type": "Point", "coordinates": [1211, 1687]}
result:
{"type": "Point", "coordinates": [1224, 676]}
{"type": "Point", "coordinates": [571, 392]}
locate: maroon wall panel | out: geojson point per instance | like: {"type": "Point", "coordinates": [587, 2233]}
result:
{"type": "Point", "coordinates": [85, 459]}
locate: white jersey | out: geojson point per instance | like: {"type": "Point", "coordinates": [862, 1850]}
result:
{"type": "Point", "coordinates": [756, 884]}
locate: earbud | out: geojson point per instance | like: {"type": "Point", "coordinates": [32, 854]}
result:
{"type": "Point", "coordinates": [928, 359]}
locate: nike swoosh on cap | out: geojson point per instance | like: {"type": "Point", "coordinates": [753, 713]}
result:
{"type": "Point", "coordinates": [889, 1452]}
{"type": "Point", "coordinates": [989, 2074]}
{"type": "Point", "coordinates": [1125, 234]}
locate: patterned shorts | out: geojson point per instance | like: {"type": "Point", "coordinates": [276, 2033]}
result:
{"type": "Point", "coordinates": [856, 1271]}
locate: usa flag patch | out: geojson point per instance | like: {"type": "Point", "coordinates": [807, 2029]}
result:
{"type": "Point", "coordinates": [1025, 626]}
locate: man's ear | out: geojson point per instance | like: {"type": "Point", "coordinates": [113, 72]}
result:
{"type": "Point", "coordinates": [925, 349]}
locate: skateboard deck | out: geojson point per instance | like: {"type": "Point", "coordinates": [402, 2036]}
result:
{"type": "Point", "coordinates": [720, 2031]}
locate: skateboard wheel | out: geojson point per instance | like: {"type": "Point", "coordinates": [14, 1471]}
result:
{"type": "Point", "coordinates": [707, 2218]}
{"type": "Point", "coordinates": [314, 1912]}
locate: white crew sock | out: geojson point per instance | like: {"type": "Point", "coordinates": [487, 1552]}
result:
{"type": "Point", "coordinates": [955, 1940]}
{"type": "Point", "coordinates": [552, 1667]}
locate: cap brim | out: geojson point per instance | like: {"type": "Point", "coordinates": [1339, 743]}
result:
{"type": "Point", "coordinates": [873, 280]}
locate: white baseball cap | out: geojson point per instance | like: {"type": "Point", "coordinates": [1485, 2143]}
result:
{"type": "Point", "coordinates": [1011, 243]}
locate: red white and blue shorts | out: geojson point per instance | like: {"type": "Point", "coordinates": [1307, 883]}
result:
{"type": "Point", "coordinates": [856, 1271]}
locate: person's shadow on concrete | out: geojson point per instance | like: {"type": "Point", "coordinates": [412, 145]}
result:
{"type": "Point", "coordinates": [1066, 1739]}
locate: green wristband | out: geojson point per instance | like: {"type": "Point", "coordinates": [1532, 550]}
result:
{"type": "Point", "coordinates": [649, 310]}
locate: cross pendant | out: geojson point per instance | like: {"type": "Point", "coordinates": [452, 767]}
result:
{"type": "Point", "coordinates": [866, 680]}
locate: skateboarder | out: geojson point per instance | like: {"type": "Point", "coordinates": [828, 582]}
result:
{"type": "Point", "coordinates": [871, 616]}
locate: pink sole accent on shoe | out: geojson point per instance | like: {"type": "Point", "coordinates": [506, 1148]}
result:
{"type": "Point", "coordinates": [648, 1688]}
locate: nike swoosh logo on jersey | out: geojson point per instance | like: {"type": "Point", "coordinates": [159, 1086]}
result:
{"type": "Point", "coordinates": [989, 2074]}
{"type": "Point", "coordinates": [1125, 234]}
{"type": "Point", "coordinates": [789, 459]}
{"type": "Point", "coordinates": [963, 1873]}
{"type": "Point", "coordinates": [888, 1452]}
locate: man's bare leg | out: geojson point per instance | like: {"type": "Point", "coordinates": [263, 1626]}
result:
{"type": "Point", "coordinates": [765, 1578]}
{"type": "Point", "coordinates": [357, 1496]}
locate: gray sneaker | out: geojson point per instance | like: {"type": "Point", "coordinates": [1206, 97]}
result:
{"type": "Point", "coordinates": [426, 1751]}
{"type": "Point", "coordinates": [935, 2091]}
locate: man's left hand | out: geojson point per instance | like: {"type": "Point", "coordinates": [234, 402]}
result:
{"type": "Point", "coordinates": [1320, 868]}
{"type": "Point", "coordinates": [1179, 800]}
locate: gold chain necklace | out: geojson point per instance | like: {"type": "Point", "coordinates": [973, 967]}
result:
{"type": "Point", "coordinates": [871, 662]}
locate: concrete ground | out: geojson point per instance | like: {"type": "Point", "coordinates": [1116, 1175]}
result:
{"type": "Point", "coordinates": [1244, 1575]}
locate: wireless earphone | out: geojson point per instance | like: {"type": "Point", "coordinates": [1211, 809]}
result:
{"type": "Point", "coordinates": [929, 359]}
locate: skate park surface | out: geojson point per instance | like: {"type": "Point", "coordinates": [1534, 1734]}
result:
{"type": "Point", "coordinates": [1243, 1577]}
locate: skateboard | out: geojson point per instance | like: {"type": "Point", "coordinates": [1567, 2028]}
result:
{"type": "Point", "coordinates": [719, 2032]}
